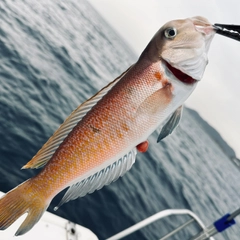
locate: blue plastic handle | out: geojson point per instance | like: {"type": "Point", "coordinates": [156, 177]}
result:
{"type": "Point", "coordinates": [222, 223]}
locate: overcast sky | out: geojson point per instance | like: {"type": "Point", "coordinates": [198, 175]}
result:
{"type": "Point", "coordinates": [217, 96]}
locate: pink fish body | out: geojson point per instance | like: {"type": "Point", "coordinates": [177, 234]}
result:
{"type": "Point", "coordinates": [97, 142]}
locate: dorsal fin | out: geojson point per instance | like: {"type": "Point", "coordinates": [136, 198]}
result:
{"type": "Point", "coordinates": [102, 177]}
{"type": "Point", "coordinates": [49, 148]}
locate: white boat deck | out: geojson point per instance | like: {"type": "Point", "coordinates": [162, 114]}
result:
{"type": "Point", "coordinates": [50, 227]}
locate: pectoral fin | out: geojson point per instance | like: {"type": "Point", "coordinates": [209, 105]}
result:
{"type": "Point", "coordinates": [171, 124]}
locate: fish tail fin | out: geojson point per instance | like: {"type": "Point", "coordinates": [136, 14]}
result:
{"type": "Point", "coordinates": [22, 199]}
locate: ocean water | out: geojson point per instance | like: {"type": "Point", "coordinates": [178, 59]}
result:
{"type": "Point", "coordinates": [53, 56]}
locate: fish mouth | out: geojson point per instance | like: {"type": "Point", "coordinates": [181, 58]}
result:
{"type": "Point", "coordinates": [181, 76]}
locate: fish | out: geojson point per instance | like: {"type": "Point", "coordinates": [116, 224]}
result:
{"type": "Point", "coordinates": [98, 142]}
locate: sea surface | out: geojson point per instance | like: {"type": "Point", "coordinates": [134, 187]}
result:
{"type": "Point", "coordinates": [53, 56]}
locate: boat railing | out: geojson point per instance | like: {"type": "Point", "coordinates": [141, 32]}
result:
{"type": "Point", "coordinates": [205, 233]}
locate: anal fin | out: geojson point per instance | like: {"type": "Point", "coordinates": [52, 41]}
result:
{"type": "Point", "coordinates": [100, 178]}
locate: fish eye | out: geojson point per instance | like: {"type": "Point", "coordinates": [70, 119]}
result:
{"type": "Point", "coordinates": [170, 33]}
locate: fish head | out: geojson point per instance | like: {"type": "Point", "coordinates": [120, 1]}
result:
{"type": "Point", "coordinates": [183, 45]}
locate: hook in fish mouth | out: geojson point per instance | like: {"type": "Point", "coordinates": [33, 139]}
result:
{"type": "Point", "coordinates": [228, 30]}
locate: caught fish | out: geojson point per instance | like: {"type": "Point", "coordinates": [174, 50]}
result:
{"type": "Point", "coordinates": [98, 142]}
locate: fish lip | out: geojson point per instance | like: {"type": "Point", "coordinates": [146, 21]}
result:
{"type": "Point", "coordinates": [228, 30]}
{"type": "Point", "coordinates": [181, 76]}
{"type": "Point", "coordinates": [207, 29]}
{"type": "Point", "coordinates": [203, 26]}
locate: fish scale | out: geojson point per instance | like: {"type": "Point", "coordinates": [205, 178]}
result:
{"type": "Point", "coordinates": [91, 147]}
{"type": "Point", "coordinates": [97, 143]}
